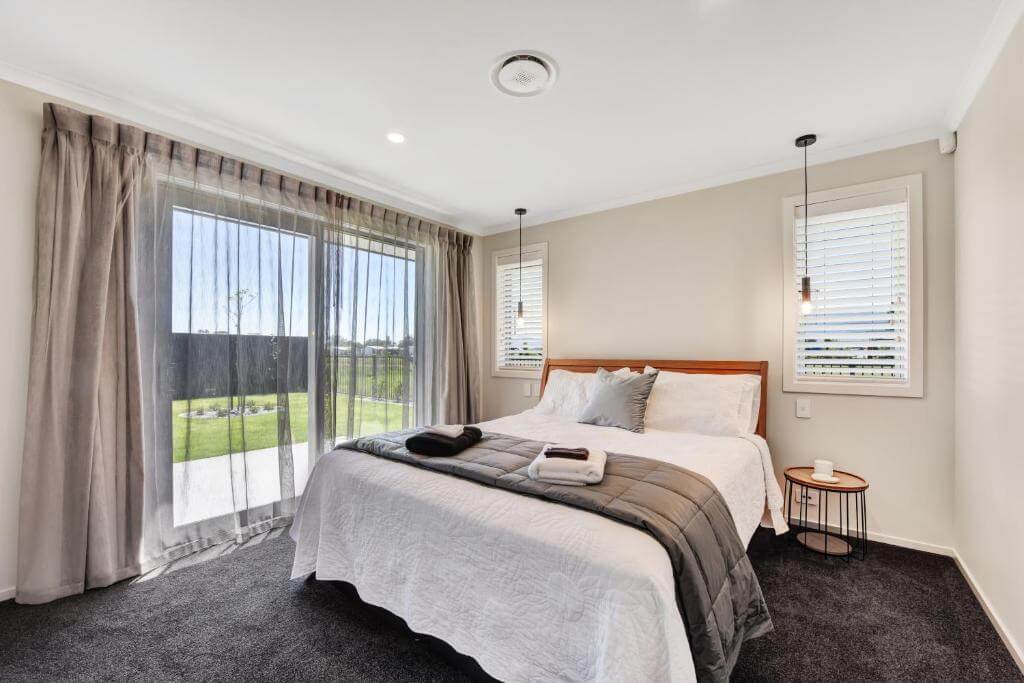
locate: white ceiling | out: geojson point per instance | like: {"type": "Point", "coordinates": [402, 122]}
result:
{"type": "Point", "coordinates": [652, 98]}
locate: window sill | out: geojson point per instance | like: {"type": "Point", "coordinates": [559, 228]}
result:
{"type": "Point", "coordinates": [517, 374]}
{"type": "Point", "coordinates": [848, 388]}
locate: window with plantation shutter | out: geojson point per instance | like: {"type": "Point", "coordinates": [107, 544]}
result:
{"type": "Point", "coordinates": [861, 249]}
{"type": "Point", "coordinates": [857, 326]}
{"type": "Point", "coordinates": [519, 344]}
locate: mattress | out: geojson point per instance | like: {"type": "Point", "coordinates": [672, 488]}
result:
{"type": "Point", "coordinates": [530, 589]}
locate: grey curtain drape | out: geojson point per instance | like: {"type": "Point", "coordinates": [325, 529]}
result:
{"type": "Point", "coordinates": [450, 354]}
{"type": "Point", "coordinates": [216, 326]}
{"type": "Point", "coordinates": [80, 519]}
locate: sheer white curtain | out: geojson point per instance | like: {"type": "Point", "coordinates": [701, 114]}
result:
{"type": "Point", "coordinates": [395, 324]}
{"type": "Point", "coordinates": [276, 318]}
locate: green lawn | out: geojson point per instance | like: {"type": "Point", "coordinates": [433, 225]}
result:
{"type": "Point", "coordinates": [209, 437]}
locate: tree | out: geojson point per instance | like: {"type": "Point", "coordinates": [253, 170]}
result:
{"type": "Point", "coordinates": [241, 298]}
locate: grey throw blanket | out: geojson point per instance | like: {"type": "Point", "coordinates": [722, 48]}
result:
{"type": "Point", "coordinates": [718, 595]}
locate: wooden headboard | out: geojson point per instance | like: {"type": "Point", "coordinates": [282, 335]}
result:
{"type": "Point", "coordinates": [705, 367]}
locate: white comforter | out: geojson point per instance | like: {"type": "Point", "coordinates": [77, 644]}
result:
{"type": "Point", "coordinates": [532, 590]}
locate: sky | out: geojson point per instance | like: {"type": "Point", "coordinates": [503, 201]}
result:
{"type": "Point", "coordinates": [232, 276]}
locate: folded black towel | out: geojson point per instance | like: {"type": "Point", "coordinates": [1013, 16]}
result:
{"type": "Point", "coordinates": [441, 446]}
{"type": "Point", "coordinates": [567, 453]}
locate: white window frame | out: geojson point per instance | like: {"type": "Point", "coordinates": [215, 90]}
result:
{"type": "Point", "coordinates": [535, 249]}
{"type": "Point", "coordinates": [914, 387]}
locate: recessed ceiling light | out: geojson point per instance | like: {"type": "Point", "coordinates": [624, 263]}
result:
{"type": "Point", "coordinates": [396, 137]}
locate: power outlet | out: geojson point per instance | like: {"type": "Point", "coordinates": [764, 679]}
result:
{"type": "Point", "coordinates": [810, 496]}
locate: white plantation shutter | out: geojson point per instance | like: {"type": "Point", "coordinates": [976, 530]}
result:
{"type": "Point", "coordinates": [519, 345]}
{"type": "Point", "coordinates": [857, 258]}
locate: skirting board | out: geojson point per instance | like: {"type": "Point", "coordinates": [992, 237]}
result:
{"type": "Point", "coordinates": [902, 542]}
{"type": "Point", "coordinates": [6, 593]}
{"type": "Point", "coordinates": [1012, 645]}
{"type": "Point", "coordinates": [908, 543]}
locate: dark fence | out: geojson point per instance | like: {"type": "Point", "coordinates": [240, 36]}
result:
{"type": "Point", "coordinates": [205, 365]}
{"type": "Point", "coordinates": [382, 376]}
{"type": "Point", "coordinates": [208, 365]}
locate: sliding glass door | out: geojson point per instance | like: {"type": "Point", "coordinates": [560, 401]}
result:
{"type": "Point", "coordinates": [241, 351]}
{"type": "Point", "coordinates": [276, 319]}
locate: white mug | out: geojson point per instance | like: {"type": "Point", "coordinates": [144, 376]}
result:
{"type": "Point", "coordinates": [824, 467]}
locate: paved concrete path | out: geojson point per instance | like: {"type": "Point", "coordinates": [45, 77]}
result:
{"type": "Point", "coordinates": [211, 487]}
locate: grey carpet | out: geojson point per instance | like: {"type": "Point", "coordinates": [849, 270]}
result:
{"type": "Point", "coordinates": [900, 614]}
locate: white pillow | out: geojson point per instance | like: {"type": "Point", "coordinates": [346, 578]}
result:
{"type": "Point", "coordinates": [718, 405]}
{"type": "Point", "coordinates": [568, 393]}
{"type": "Point", "coordinates": [752, 397]}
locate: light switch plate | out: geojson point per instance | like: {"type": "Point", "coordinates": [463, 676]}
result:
{"type": "Point", "coordinates": [803, 408]}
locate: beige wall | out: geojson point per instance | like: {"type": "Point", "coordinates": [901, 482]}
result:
{"type": "Point", "coordinates": [990, 338]}
{"type": "Point", "coordinates": [21, 123]}
{"type": "Point", "coordinates": [700, 276]}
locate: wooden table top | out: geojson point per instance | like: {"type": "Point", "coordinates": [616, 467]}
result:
{"type": "Point", "coordinates": [847, 482]}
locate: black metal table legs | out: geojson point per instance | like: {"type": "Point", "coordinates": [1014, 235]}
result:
{"type": "Point", "coordinates": [847, 539]}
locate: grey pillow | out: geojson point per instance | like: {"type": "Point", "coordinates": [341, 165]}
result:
{"type": "Point", "coordinates": [619, 401]}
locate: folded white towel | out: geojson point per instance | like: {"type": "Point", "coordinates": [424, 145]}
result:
{"type": "Point", "coordinates": [560, 482]}
{"type": "Point", "coordinates": [567, 471]}
{"type": "Point", "coordinates": [447, 430]}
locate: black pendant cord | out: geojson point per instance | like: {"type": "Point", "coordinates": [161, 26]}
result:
{"type": "Point", "coordinates": [805, 283]}
{"type": "Point", "coordinates": [520, 263]}
{"type": "Point", "coordinates": [806, 141]}
{"type": "Point", "coordinates": [520, 315]}
{"type": "Point", "coordinates": [807, 253]}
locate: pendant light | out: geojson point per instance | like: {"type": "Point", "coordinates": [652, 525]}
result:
{"type": "Point", "coordinates": [519, 308]}
{"type": "Point", "coordinates": [806, 305]}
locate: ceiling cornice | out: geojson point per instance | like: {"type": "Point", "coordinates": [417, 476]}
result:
{"type": "Point", "coordinates": [991, 46]}
{"type": "Point", "coordinates": [821, 156]}
{"type": "Point", "coordinates": [223, 138]}
{"type": "Point", "coordinates": [230, 139]}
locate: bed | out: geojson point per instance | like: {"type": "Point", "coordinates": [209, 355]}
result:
{"type": "Point", "coordinates": [530, 589]}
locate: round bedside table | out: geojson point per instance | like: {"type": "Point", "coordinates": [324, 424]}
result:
{"type": "Point", "coordinates": [852, 537]}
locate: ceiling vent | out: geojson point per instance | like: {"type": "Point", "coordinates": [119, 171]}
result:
{"type": "Point", "coordinates": [523, 74]}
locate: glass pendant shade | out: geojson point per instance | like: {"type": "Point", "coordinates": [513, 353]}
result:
{"type": "Point", "coordinates": [806, 305]}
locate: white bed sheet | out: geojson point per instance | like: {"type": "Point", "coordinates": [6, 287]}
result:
{"type": "Point", "coordinates": [531, 589]}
